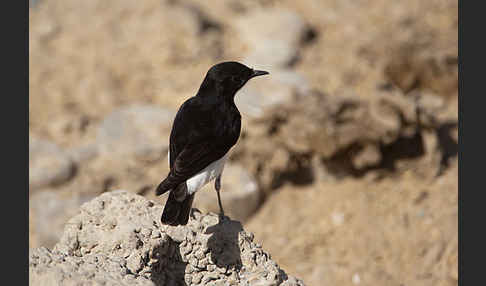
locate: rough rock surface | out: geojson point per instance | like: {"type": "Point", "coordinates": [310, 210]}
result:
{"type": "Point", "coordinates": [117, 239]}
{"type": "Point", "coordinates": [48, 164]}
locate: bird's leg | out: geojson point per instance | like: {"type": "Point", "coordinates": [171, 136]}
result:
{"type": "Point", "coordinates": [217, 186]}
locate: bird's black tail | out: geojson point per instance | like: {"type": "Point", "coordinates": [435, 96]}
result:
{"type": "Point", "coordinates": [163, 187]}
{"type": "Point", "coordinates": [177, 212]}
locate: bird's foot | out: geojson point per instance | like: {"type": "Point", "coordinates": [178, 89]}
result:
{"type": "Point", "coordinates": [222, 217]}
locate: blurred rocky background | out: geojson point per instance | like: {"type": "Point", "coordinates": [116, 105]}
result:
{"type": "Point", "coordinates": [346, 169]}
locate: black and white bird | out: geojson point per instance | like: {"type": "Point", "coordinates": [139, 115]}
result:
{"type": "Point", "coordinates": [204, 130]}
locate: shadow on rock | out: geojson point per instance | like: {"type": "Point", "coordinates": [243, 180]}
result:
{"type": "Point", "coordinates": [299, 172]}
{"type": "Point", "coordinates": [403, 148]}
{"type": "Point", "coordinates": [168, 270]}
{"type": "Point", "coordinates": [223, 244]}
{"type": "Point", "coordinates": [447, 145]}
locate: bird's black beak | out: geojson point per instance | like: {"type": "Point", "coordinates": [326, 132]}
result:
{"type": "Point", "coordinates": [258, 73]}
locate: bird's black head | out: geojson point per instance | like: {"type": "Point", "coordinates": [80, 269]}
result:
{"type": "Point", "coordinates": [226, 78]}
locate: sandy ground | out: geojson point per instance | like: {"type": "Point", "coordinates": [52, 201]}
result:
{"type": "Point", "coordinates": [400, 231]}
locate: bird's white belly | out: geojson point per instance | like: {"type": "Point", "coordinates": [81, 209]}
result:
{"type": "Point", "coordinates": [208, 174]}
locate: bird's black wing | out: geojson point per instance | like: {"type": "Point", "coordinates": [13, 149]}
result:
{"type": "Point", "coordinates": [199, 136]}
{"type": "Point", "coordinates": [195, 157]}
{"type": "Point", "coordinates": [181, 129]}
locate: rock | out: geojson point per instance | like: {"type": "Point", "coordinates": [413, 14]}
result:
{"type": "Point", "coordinates": [431, 107]}
{"type": "Point", "coordinates": [274, 37]}
{"type": "Point", "coordinates": [48, 164]}
{"type": "Point", "coordinates": [430, 102]}
{"type": "Point", "coordinates": [49, 213]}
{"type": "Point", "coordinates": [280, 25]}
{"type": "Point", "coordinates": [104, 245]}
{"type": "Point", "coordinates": [140, 130]}
{"type": "Point", "coordinates": [369, 156]}
{"type": "Point", "coordinates": [345, 133]}
{"type": "Point", "coordinates": [280, 87]}
{"type": "Point", "coordinates": [340, 122]}
{"type": "Point", "coordinates": [240, 194]}
{"type": "Point", "coordinates": [412, 66]}
{"type": "Point", "coordinates": [271, 56]}
{"type": "Point", "coordinates": [83, 153]}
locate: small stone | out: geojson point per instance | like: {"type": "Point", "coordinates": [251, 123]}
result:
{"type": "Point", "coordinates": [146, 232]}
{"type": "Point", "coordinates": [193, 261]}
{"type": "Point", "coordinates": [189, 269]}
{"type": "Point", "coordinates": [369, 156]}
{"type": "Point", "coordinates": [177, 234]}
{"type": "Point", "coordinates": [337, 218]}
{"type": "Point", "coordinates": [186, 249]}
{"type": "Point", "coordinates": [155, 234]}
{"type": "Point", "coordinates": [202, 263]}
{"type": "Point", "coordinates": [199, 254]}
{"type": "Point", "coordinates": [430, 103]}
{"type": "Point", "coordinates": [188, 279]}
{"type": "Point", "coordinates": [134, 263]}
{"type": "Point", "coordinates": [209, 277]}
{"type": "Point", "coordinates": [211, 267]}
{"type": "Point", "coordinates": [196, 278]}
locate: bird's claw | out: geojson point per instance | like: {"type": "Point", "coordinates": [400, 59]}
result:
{"type": "Point", "coordinates": [222, 217]}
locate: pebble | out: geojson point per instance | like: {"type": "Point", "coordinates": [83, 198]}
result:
{"type": "Point", "coordinates": [200, 254]}
{"type": "Point", "coordinates": [202, 263]}
{"type": "Point", "coordinates": [155, 234]}
{"type": "Point", "coordinates": [337, 218]}
{"type": "Point", "coordinates": [209, 277]}
{"type": "Point", "coordinates": [196, 278]}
